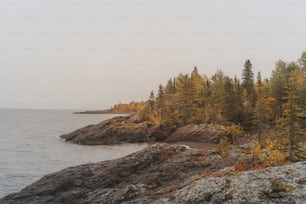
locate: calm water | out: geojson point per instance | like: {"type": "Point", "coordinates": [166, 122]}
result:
{"type": "Point", "coordinates": [30, 146]}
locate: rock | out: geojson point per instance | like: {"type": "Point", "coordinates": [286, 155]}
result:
{"type": "Point", "coordinates": [142, 177]}
{"type": "Point", "coordinates": [128, 129]}
{"type": "Point", "coordinates": [205, 133]}
{"type": "Point", "coordinates": [272, 185]}
{"type": "Point", "coordinates": [124, 129]}
{"type": "Point", "coordinates": [164, 173]}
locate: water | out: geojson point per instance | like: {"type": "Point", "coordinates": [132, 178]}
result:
{"type": "Point", "coordinates": [30, 146]}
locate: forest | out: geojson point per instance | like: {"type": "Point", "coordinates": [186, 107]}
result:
{"type": "Point", "coordinates": [272, 107]}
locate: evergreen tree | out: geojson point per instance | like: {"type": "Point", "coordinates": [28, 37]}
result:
{"type": "Point", "coordinates": [291, 117]}
{"type": "Point", "coordinates": [151, 101]}
{"type": "Point", "coordinates": [217, 95]}
{"type": "Point", "coordinates": [199, 97]}
{"type": "Point", "coordinates": [248, 83]}
{"type": "Point", "coordinates": [185, 95]}
{"type": "Point", "coordinates": [259, 108]}
{"type": "Point", "coordinates": [160, 102]}
{"type": "Point", "coordinates": [279, 82]}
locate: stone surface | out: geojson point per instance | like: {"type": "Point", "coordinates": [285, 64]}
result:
{"type": "Point", "coordinates": [126, 129]}
{"type": "Point", "coordinates": [142, 177]}
{"type": "Point", "coordinates": [206, 133]}
{"type": "Point", "coordinates": [257, 186]}
{"type": "Point", "coordinates": [117, 130]}
{"type": "Point", "coordinates": [164, 173]}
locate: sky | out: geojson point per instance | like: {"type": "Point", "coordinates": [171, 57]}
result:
{"type": "Point", "coordinates": [91, 54]}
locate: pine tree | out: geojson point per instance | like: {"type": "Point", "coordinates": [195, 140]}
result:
{"type": "Point", "coordinates": [199, 97]}
{"type": "Point", "coordinates": [291, 117]}
{"type": "Point", "coordinates": [278, 85]}
{"type": "Point", "coordinates": [259, 108]}
{"type": "Point", "coordinates": [151, 101]}
{"type": "Point", "coordinates": [248, 83]}
{"type": "Point", "coordinates": [160, 102]}
{"type": "Point", "coordinates": [185, 95]}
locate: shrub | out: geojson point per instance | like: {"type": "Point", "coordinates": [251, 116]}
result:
{"type": "Point", "coordinates": [223, 147]}
{"type": "Point", "coordinates": [233, 131]}
{"type": "Point", "coordinates": [257, 155]}
{"type": "Point", "coordinates": [275, 156]}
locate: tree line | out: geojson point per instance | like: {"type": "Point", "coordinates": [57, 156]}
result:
{"type": "Point", "coordinates": [251, 102]}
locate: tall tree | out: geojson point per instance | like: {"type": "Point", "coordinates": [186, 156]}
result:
{"type": "Point", "coordinates": [259, 108]}
{"type": "Point", "coordinates": [248, 83]}
{"type": "Point", "coordinates": [199, 98]}
{"type": "Point", "coordinates": [151, 101]}
{"type": "Point", "coordinates": [291, 117]}
{"type": "Point", "coordinates": [217, 95]}
{"type": "Point", "coordinates": [160, 102]}
{"type": "Point", "coordinates": [185, 95]}
{"type": "Point", "coordinates": [279, 80]}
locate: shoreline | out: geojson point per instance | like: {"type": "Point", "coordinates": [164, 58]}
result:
{"type": "Point", "coordinates": [102, 112]}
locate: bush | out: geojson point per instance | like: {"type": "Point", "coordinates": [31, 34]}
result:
{"type": "Point", "coordinates": [233, 131]}
{"type": "Point", "coordinates": [223, 147]}
{"type": "Point", "coordinates": [275, 156]}
{"type": "Point", "coordinates": [257, 155]}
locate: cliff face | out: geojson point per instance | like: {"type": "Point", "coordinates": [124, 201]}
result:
{"type": "Point", "coordinates": [164, 173]}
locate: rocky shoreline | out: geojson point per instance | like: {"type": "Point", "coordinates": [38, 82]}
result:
{"type": "Point", "coordinates": [127, 129]}
{"type": "Point", "coordinates": [164, 173]}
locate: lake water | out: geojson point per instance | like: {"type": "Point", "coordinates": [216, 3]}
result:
{"type": "Point", "coordinates": [30, 146]}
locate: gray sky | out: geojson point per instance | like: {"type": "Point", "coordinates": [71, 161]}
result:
{"type": "Point", "coordinates": [90, 54]}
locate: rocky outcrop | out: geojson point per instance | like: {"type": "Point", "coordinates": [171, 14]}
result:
{"type": "Point", "coordinates": [165, 173]}
{"type": "Point", "coordinates": [284, 184]}
{"type": "Point", "coordinates": [205, 133]}
{"type": "Point", "coordinates": [124, 129]}
{"type": "Point", "coordinates": [127, 129]}
{"type": "Point", "coordinates": [142, 177]}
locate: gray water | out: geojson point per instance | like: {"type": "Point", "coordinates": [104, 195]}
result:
{"type": "Point", "coordinates": [30, 146]}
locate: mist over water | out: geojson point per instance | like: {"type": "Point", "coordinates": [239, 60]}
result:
{"type": "Point", "coordinates": [30, 146]}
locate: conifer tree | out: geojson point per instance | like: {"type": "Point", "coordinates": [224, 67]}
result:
{"type": "Point", "coordinates": [259, 108]}
{"type": "Point", "coordinates": [160, 102]}
{"type": "Point", "coordinates": [278, 85]}
{"type": "Point", "coordinates": [151, 101]}
{"type": "Point", "coordinates": [291, 117]}
{"type": "Point", "coordinates": [185, 95]}
{"type": "Point", "coordinates": [248, 83]}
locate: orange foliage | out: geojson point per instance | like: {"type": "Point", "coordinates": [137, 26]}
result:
{"type": "Point", "coordinates": [131, 107]}
{"type": "Point", "coordinates": [240, 167]}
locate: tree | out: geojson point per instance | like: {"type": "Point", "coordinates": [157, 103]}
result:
{"type": "Point", "coordinates": [151, 101]}
{"type": "Point", "coordinates": [291, 117]}
{"type": "Point", "coordinates": [185, 95]}
{"type": "Point", "coordinates": [279, 81]}
{"type": "Point", "coordinates": [259, 107]}
{"type": "Point", "coordinates": [199, 96]}
{"type": "Point", "coordinates": [160, 102]}
{"type": "Point", "coordinates": [217, 95]}
{"type": "Point", "coordinates": [248, 83]}
{"type": "Point", "coordinates": [302, 60]}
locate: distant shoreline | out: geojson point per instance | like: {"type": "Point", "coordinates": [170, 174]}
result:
{"type": "Point", "coordinates": [109, 111]}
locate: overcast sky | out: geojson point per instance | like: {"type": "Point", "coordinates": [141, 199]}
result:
{"type": "Point", "coordinates": [90, 54]}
